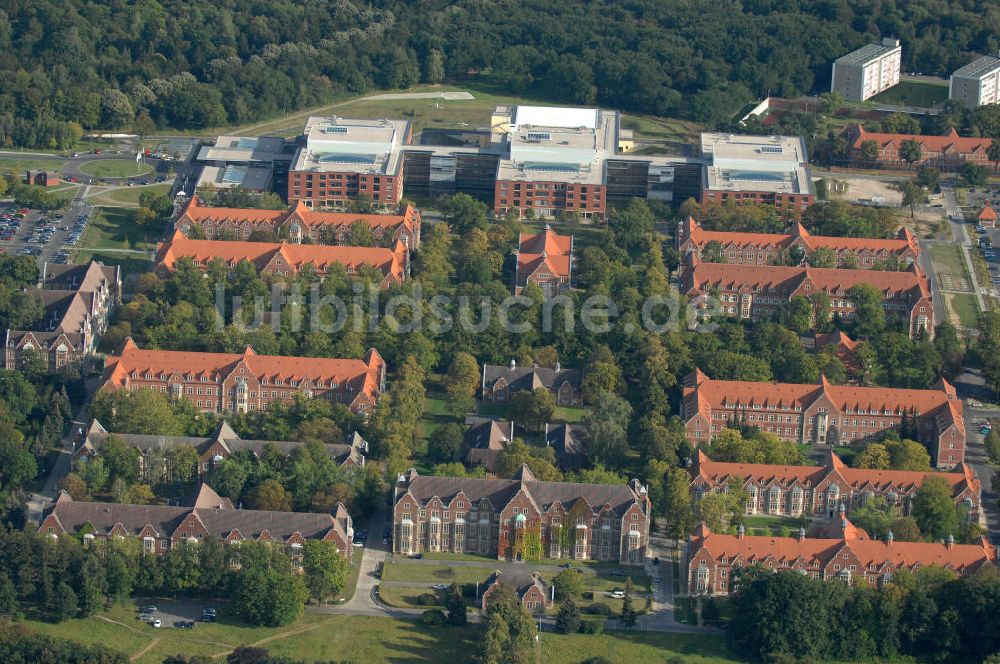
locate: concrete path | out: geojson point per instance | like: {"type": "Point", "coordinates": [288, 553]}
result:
{"type": "Point", "coordinates": [450, 96]}
{"type": "Point", "coordinates": [961, 237]}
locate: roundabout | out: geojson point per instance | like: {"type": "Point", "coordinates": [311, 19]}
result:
{"type": "Point", "coordinates": [114, 168]}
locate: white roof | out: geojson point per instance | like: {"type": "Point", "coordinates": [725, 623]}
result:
{"type": "Point", "coordinates": [555, 116]}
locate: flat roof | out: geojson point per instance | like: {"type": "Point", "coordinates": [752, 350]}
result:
{"type": "Point", "coordinates": [230, 177]}
{"type": "Point", "coordinates": [349, 145]}
{"type": "Point", "coordinates": [867, 53]}
{"type": "Point", "coordinates": [555, 116]}
{"type": "Point", "coordinates": [245, 149]}
{"type": "Point", "coordinates": [573, 149]}
{"type": "Point", "coordinates": [978, 68]}
{"type": "Point", "coordinates": [738, 162]}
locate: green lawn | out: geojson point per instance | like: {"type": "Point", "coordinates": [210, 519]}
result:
{"type": "Point", "coordinates": [115, 168]}
{"type": "Point", "coordinates": [605, 576]}
{"type": "Point", "coordinates": [771, 525]}
{"type": "Point", "coordinates": [127, 196]}
{"type": "Point", "coordinates": [966, 307]}
{"type": "Point", "coordinates": [635, 647]}
{"type": "Point", "coordinates": [413, 571]}
{"type": "Point", "coordinates": [913, 93]}
{"type": "Point", "coordinates": [112, 228]}
{"type": "Point", "coordinates": [18, 165]}
{"type": "Point", "coordinates": [561, 414]}
{"type": "Point", "coordinates": [947, 259]}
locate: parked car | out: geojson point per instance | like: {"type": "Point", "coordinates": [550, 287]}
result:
{"type": "Point", "coordinates": [157, 623]}
{"type": "Point", "coordinates": [618, 593]}
{"type": "Point", "coordinates": [439, 586]}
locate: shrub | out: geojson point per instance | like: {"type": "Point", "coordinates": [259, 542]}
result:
{"type": "Point", "coordinates": [588, 594]}
{"type": "Point", "coordinates": [433, 618]}
{"type": "Point", "coordinates": [710, 609]}
{"type": "Point", "coordinates": [427, 599]}
{"type": "Point", "coordinates": [599, 609]}
{"type": "Point", "coordinates": [592, 627]}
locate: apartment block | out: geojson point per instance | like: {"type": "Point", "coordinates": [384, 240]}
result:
{"type": "Point", "coordinates": [242, 382]}
{"type": "Point", "coordinates": [977, 83]}
{"type": "Point", "coordinates": [825, 414]}
{"type": "Point", "coordinates": [871, 69]}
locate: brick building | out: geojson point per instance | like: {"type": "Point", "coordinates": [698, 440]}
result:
{"type": "Point", "coordinates": [299, 223]}
{"type": "Point", "coordinates": [211, 450]}
{"type": "Point", "coordinates": [987, 217]}
{"type": "Point", "coordinates": [808, 490]}
{"type": "Point", "coordinates": [485, 440]}
{"type": "Point", "coordinates": [237, 383]}
{"type": "Point", "coordinates": [41, 178]}
{"type": "Point", "coordinates": [827, 414]}
{"type": "Point", "coordinates": [500, 383]}
{"type": "Point", "coordinates": [342, 160]}
{"type": "Point", "coordinates": [533, 593]}
{"type": "Point", "coordinates": [845, 349]}
{"type": "Point", "coordinates": [711, 557]}
{"type": "Point", "coordinates": [770, 248]}
{"type": "Point", "coordinates": [521, 518]}
{"type": "Point", "coordinates": [281, 258]}
{"type": "Point", "coordinates": [553, 160]}
{"type": "Point", "coordinates": [948, 152]}
{"type": "Point", "coordinates": [204, 515]}
{"type": "Point", "coordinates": [545, 259]}
{"type": "Point", "coordinates": [761, 291]}
{"type": "Point", "coordinates": [77, 302]}
{"type": "Point", "coordinates": [768, 170]}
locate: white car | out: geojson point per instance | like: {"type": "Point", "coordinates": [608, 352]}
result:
{"type": "Point", "coordinates": [618, 594]}
{"type": "Point", "coordinates": [439, 586]}
{"type": "Point", "coordinates": [157, 623]}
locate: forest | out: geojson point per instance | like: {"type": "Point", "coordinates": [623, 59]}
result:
{"type": "Point", "coordinates": [83, 64]}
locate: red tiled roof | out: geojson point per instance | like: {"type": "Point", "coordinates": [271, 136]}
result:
{"type": "Point", "coordinates": [950, 139]}
{"type": "Point", "coordinates": [547, 241]}
{"type": "Point", "coordinates": [701, 237]}
{"type": "Point", "coordinates": [720, 471]}
{"type": "Point", "coordinates": [364, 374]}
{"type": "Point", "coordinates": [195, 211]}
{"type": "Point", "coordinates": [704, 276]}
{"type": "Point", "coordinates": [346, 219]}
{"type": "Point", "coordinates": [987, 214]}
{"type": "Point", "coordinates": [390, 262]}
{"type": "Point", "coordinates": [962, 557]}
{"type": "Point", "coordinates": [838, 338]}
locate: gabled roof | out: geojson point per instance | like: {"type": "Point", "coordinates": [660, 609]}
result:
{"type": "Point", "coordinates": [362, 375]}
{"type": "Point", "coordinates": [695, 234]}
{"type": "Point", "coordinates": [619, 496]}
{"type": "Point", "coordinates": [530, 378]}
{"type": "Point", "coordinates": [702, 276]}
{"type": "Point", "coordinates": [987, 213]}
{"type": "Point", "coordinates": [546, 249]}
{"type": "Point", "coordinates": [718, 472]}
{"type": "Point", "coordinates": [218, 517]}
{"type": "Point", "coordinates": [949, 142]}
{"type": "Point", "coordinates": [390, 262]}
{"type": "Point", "coordinates": [568, 441]}
{"type": "Point", "coordinates": [197, 212]}
{"type": "Point", "coordinates": [749, 548]}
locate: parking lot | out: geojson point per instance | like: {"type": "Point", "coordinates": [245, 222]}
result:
{"type": "Point", "coordinates": [46, 235]}
{"type": "Point", "coordinates": [174, 614]}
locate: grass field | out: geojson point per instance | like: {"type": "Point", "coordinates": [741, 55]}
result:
{"type": "Point", "coordinates": [115, 168]}
{"type": "Point", "coordinates": [635, 647]}
{"type": "Point", "coordinates": [18, 165]}
{"type": "Point", "coordinates": [127, 196]}
{"type": "Point", "coordinates": [113, 228]}
{"type": "Point", "coordinates": [965, 306]}
{"type": "Point", "coordinates": [771, 525]}
{"type": "Point", "coordinates": [948, 259]}
{"type": "Point", "coordinates": [561, 414]}
{"type": "Point", "coordinates": [913, 93]}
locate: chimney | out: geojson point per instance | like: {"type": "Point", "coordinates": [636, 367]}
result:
{"type": "Point", "coordinates": [513, 364]}
{"type": "Point", "coordinates": [802, 533]}
{"type": "Point", "coordinates": [546, 434]}
{"type": "Point", "coordinates": [740, 531]}
{"type": "Point", "coordinates": [950, 542]}
{"type": "Point", "coordinates": [558, 366]}
{"type": "Point", "coordinates": [888, 539]}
